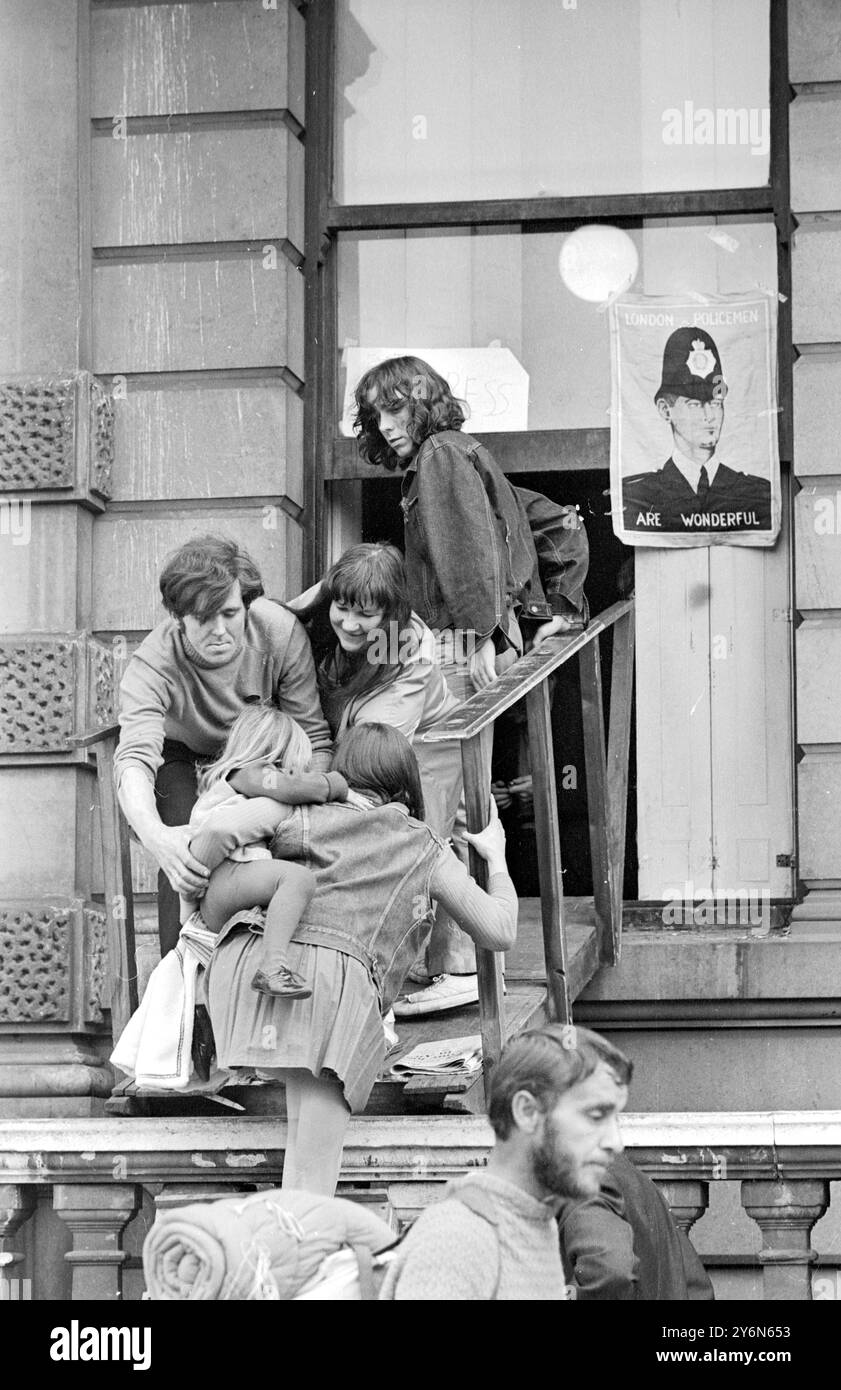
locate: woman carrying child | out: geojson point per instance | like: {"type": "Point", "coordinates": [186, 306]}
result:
{"type": "Point", "coordinates": [244, 876]}
{"type": "Point", "coordinates": [377, 867]}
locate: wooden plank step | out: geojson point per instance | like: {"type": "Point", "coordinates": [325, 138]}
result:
{"type": "Point", "coordinates": [525, 960]}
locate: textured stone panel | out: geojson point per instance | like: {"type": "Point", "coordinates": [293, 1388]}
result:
{"type": "Point", "coordinates": [102, 444]}
{"type": "Point", "coordinates": [102, 686]}
{"type": "Point", "coordinates": [37, 434]}
{"type": "Point", "coordinates": [96, 965]}
{"type": "Point", "coordinates": [35, 964]}
{"type": "Point", "coordinates": [52, 688]}
{"type": "Point", "coordinates": [56, 433]}
{"type": "Point", "coordinates": [37, 695]}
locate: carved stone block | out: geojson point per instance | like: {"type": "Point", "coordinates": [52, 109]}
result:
{"type": "Point", "coordinates": [53, 964]}
{"type": "Point", "coordinates": [35, 964]}
{"type": "Point", "coordinates": [37, 434]}
{"type": "Point", "coordinates": [57, 438]}
{"type": "Point", "coordinates": [52, 687]}
{"type": "Point", "coordinates": [96, 965]}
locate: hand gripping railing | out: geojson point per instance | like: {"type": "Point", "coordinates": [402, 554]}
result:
{"type": "Point", "coordinates": [607, 791]}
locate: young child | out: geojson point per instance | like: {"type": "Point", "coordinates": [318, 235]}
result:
{"type": "Point", "coordinates": [243, 872]}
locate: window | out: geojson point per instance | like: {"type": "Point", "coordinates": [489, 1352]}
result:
{"type": "Point", "coordinates": [454, 99]}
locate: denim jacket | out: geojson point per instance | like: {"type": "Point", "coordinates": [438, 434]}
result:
{"type": "Point", "coordinates": [471, 552]}
{"type": "Point", "coordinates": [373, 866]}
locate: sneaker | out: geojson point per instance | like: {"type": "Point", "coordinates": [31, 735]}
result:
{"type": "Point", "coordinates": [445, 992]}
{"type": "Point", "coordinates": [282, 983]}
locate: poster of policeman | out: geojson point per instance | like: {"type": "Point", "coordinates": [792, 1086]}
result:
{"type": "Point", "coordinates": [694, 455]}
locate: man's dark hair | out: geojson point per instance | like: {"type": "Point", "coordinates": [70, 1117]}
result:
{"type": "Point", "coordinates": [196, 578]}
{"type": "Point", "coordinates": [546, 1062]}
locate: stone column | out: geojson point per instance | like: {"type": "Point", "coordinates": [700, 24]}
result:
{"type": "Point", "coordinates": [785, 1212]}
{"type": "Point", "coordinates": [17, 1204]}
{"type": "Point", "coordinates": [687, 1201]}
{"type": "Point", "coordinates": [96, 1215]}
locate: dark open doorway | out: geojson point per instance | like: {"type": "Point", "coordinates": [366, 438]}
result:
{"type": "Point", "coordinates": [610, 578]}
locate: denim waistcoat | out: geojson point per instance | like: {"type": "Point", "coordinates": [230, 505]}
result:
{"type": "Point", "coordinates": [372, 867]}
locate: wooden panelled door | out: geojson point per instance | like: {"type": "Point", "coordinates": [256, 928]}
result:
{"type": "Point", "coordinates": [714, 717]}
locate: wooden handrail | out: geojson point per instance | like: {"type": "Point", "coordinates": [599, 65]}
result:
{"type": "Point", "coordinates": [485, 707]}
{"type": "Point", "coordinates": [91, 737]}
{"type": "Point", "coordinates": [606, 763]}
{"type": "Point", "coordinates": [116, 872]}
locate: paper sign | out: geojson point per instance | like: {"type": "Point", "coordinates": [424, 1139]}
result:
{"type": "Point", "coordinates": [490, 380]}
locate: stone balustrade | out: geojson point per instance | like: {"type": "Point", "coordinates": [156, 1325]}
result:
{"type": "Point", "coordinates": [99, 1174]}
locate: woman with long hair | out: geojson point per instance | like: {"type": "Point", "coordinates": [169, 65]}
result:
{"type": "Point", "coordinates": [377, 867]}
{"type": "Point", "coordinates": [377, 663]}
{"type": "Point", "coordinates": [471, 566]}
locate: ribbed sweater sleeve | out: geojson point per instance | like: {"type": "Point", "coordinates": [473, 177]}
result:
{"type": "Point", "coordinates": [489, 918]}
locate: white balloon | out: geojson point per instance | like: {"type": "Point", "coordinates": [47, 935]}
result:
{"type": "Point", "coordinates": [597, 262]}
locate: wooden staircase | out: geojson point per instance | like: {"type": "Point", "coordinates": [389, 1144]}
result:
{"type": "Point", "coordinates": [561, 942]}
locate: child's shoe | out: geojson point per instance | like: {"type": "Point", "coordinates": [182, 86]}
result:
{"type": "Point", "coordinates": [282, 983]}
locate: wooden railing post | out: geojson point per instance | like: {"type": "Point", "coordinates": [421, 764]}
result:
{"type": "Point", "coordinates": [592, 712]}
{"type": "Point", "coordinates": [539, 708]}
{"type": "Point", "coordinates": [488, 963]}
{"type": "Point", "coordinates": [119, 897]}
{"type": "Point", "coordinates": [618, 746]}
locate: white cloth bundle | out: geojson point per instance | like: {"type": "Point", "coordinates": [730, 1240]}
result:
{"type": "Point", "coordinates": [155, 1044]}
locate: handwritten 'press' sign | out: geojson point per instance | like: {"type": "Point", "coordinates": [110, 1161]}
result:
{"type": "Point", "coordinates": [490, 380]}
{"type": "Point", "coordinates": [693, 444]}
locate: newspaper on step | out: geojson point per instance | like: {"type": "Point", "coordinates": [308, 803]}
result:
{"type": "Point", "coordinates": [441, 1057]}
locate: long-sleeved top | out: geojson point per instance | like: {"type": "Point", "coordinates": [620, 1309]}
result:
{"type": "Point", "coordinates": [415, 700]}
{"type": "Point", "coordinates": [454, 1254]}
{"type": "Point", "coordinates": [169, 692]}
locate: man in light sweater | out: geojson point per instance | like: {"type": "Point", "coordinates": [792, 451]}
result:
{"type": "Point", "coordinates": [221, 647]}
{"type": "Point", "coordinates": [556, 1096]}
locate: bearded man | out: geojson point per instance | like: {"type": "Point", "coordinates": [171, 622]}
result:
{"type": "Point", "coordinates": [556, 1096]}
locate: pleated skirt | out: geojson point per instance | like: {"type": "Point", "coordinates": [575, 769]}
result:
{"type": "Point", "coordinates": [338, 1030]}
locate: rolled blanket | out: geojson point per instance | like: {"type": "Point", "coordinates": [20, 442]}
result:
{"type": "Point", "coordinates": [269, 1245]}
